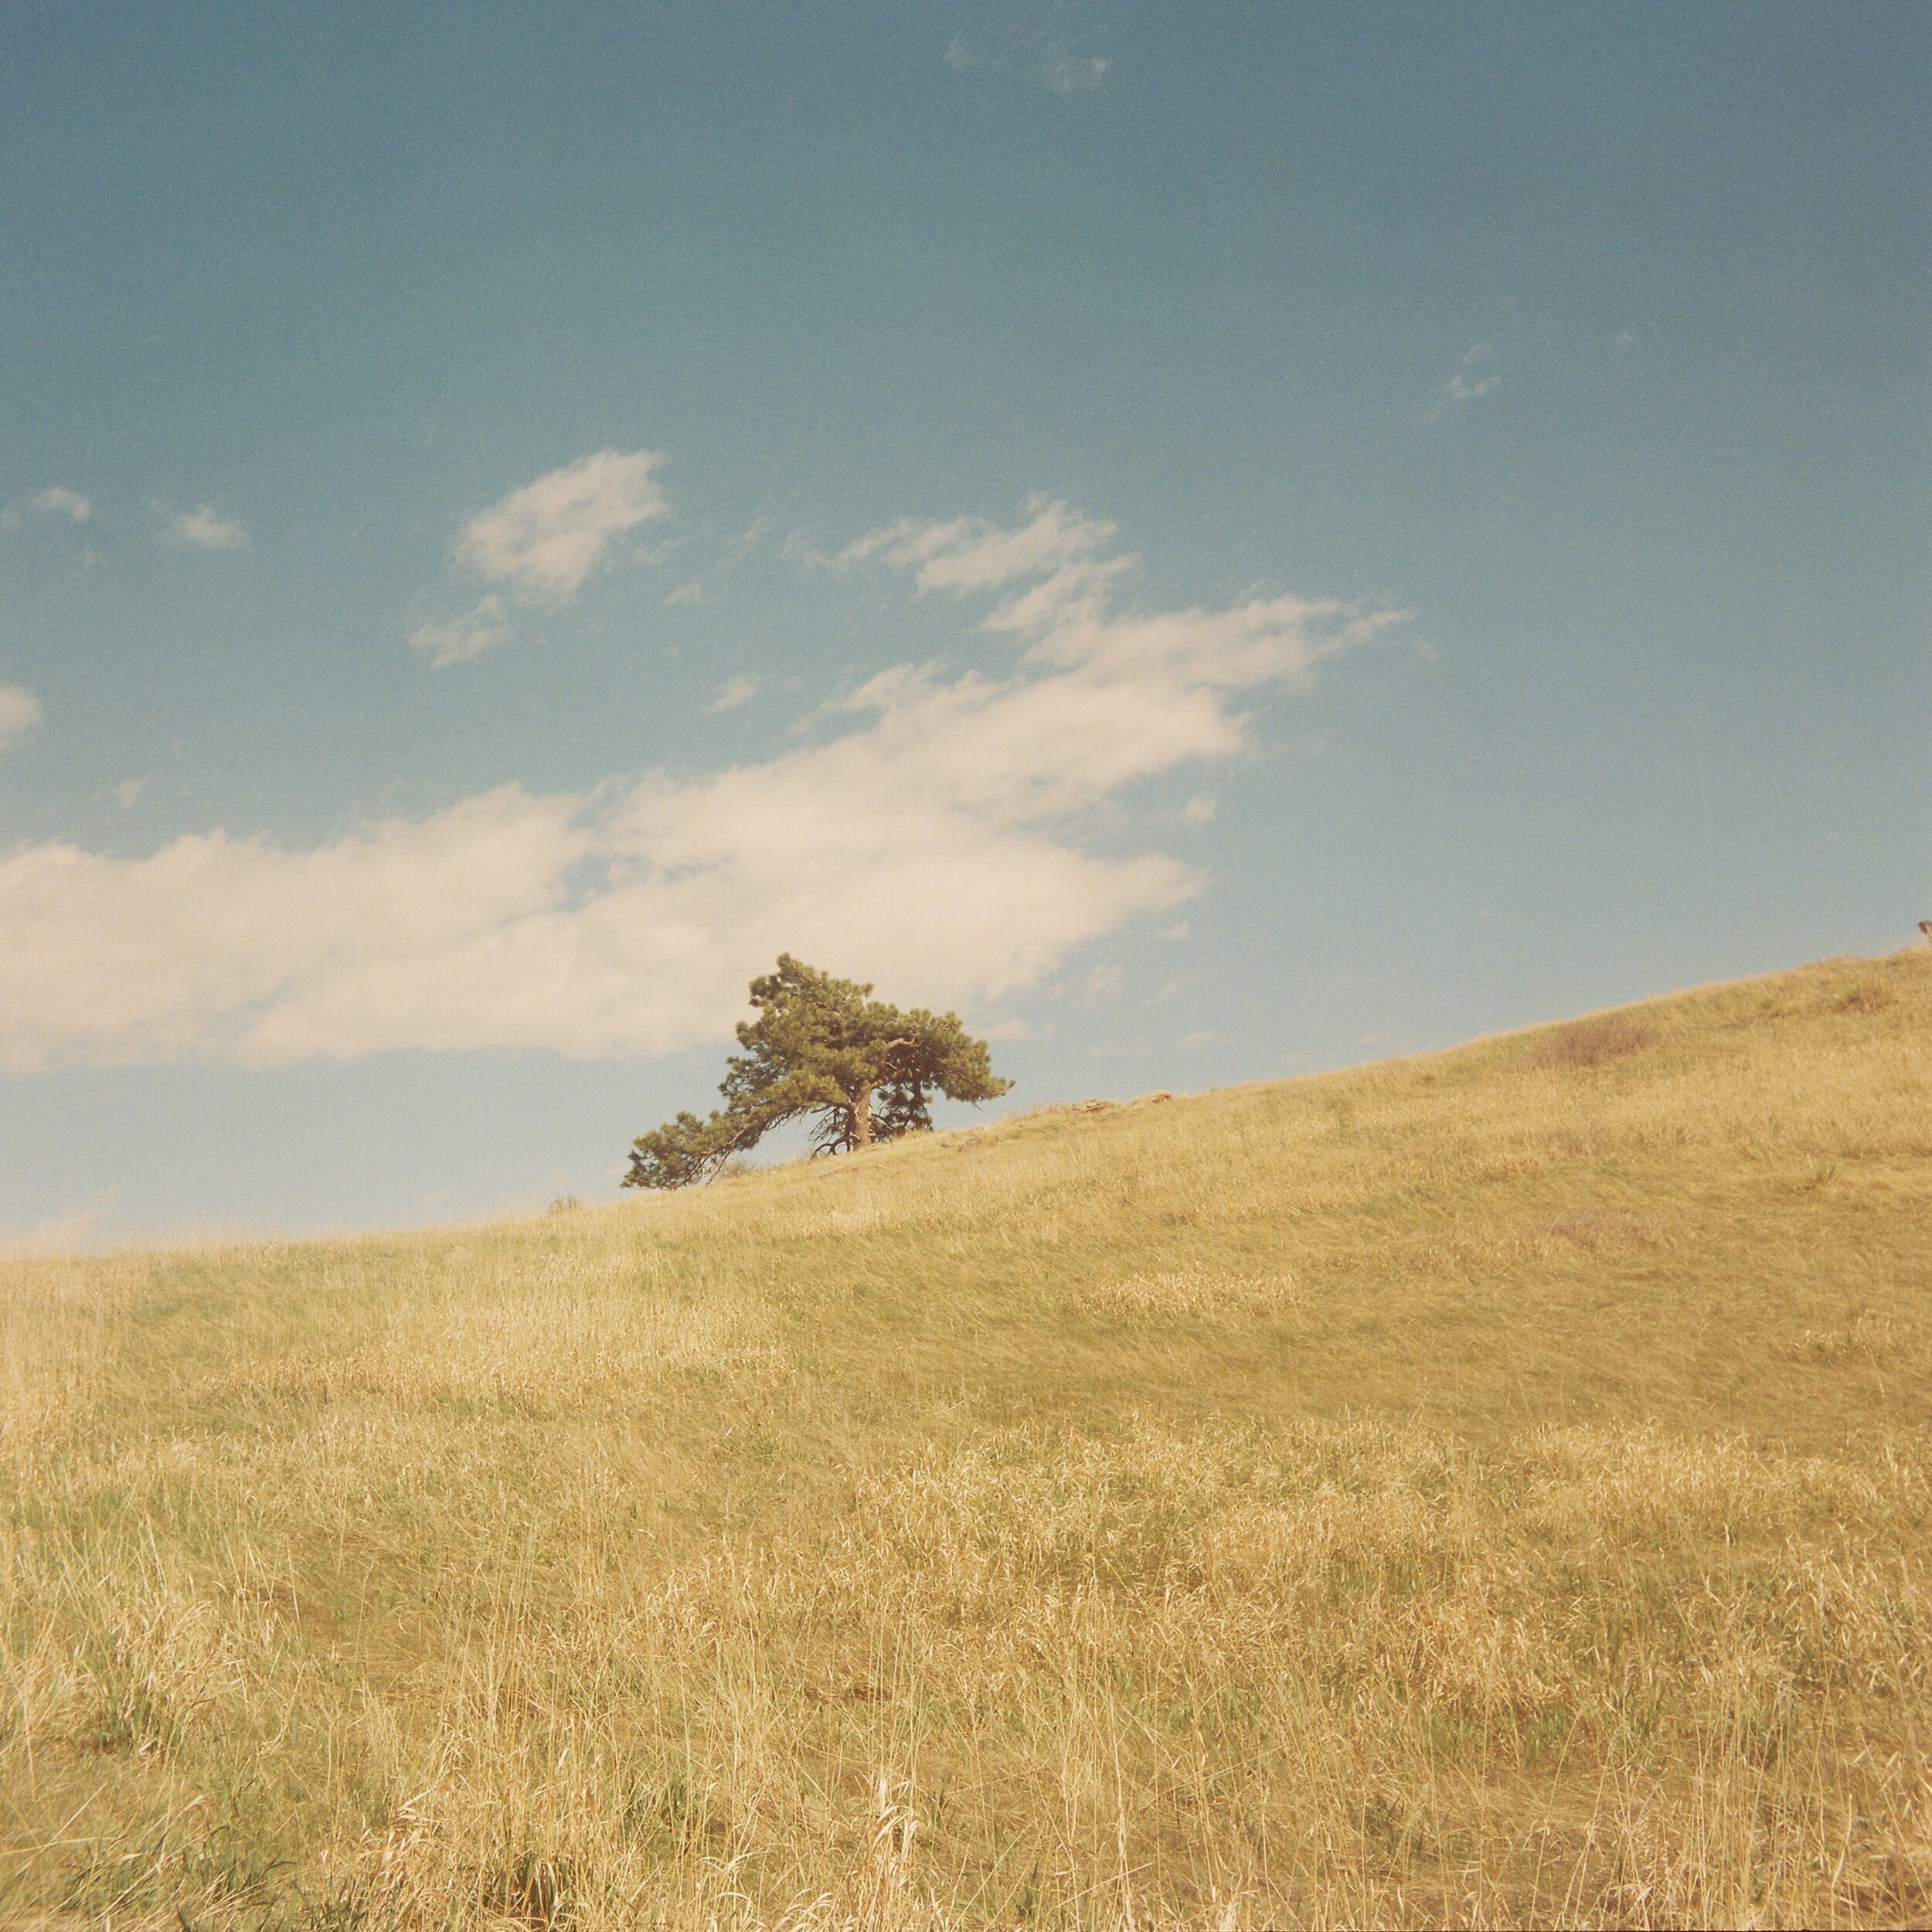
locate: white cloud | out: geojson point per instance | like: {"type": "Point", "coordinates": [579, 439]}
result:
{"type": "Point", "coordinates": [462, 638]}
{"type": "Point", "coordinates": [129, 791]}
{"type": "Point", "coordinates": [934, 845]}
{"type": "Point", "coordinates": [969, 553]}
{"type": "Point", "coordinates": [1048, 48]}
{"type": "Point", "coordinates": [1474, 377]}
{"type": "Point", "coordinates": [543, 541]}
{"type": "Point", "coordinates": [57, 501]}
{"type": "Point", "coordinates": [1198, 810]}
{"type": "Point", "coordinates": [735, 691]}
{"type": "Point", "coordinates": [19, 712]}
{"type": "Point", "coordinates": [1179, 930]}
{"type": "Point", "coordinates": [1201, 1036]}
{"type": "Point", "coordinates": [204, 529]}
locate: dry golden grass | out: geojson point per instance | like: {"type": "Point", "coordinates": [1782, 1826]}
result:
{"type": "Point", "coordinates": [1489, 1488]}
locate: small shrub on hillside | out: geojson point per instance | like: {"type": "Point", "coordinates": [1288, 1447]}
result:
{"type": "Point", "coordinates": [1593, 1041]}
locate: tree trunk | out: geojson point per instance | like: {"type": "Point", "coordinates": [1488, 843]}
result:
{"type": "Point", "coordinates": [862, 1118]}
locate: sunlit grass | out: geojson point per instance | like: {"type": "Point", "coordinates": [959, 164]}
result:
{"type": "Point", "coordinates": [1493, 1488]}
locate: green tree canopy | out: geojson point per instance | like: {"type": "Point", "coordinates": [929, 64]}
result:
{"type": "Point", "coordinates": [824, 1048]}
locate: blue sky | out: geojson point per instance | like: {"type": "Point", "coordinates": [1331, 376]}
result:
{"type": "Point", "coordinates": [1218, 541]}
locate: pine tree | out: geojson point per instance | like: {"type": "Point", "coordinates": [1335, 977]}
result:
{"type": "Point", "coordinates": [820, 1047]}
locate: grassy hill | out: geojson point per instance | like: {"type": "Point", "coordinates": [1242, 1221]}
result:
{"type": "Point", "coordinates": [1491, 1487]}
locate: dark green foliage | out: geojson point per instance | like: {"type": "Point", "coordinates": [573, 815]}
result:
{"type": "Point", "coordinates": [822, 1047]}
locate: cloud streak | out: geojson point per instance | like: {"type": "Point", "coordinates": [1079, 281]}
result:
{"type": "Point", "coordinates": [1475, 377]}
{"type": "Point", "coordinates": [735, 691]}
{"type": "Point", "coordinates": [204, 529]}
{"type": "Point", "coordinates": [462, 638]}
{"type": "Point", "coordinates": [1048, 49]}
{"type": "Point", "coordinates": [1065, 73]}
{"type": "Point", "coordinates": [970, 554]}
{"type": "Point", "coordinates": [933, 842]}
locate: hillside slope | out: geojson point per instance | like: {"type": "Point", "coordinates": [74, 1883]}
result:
{"type": "Point", "coordinates": [1490, 1487]}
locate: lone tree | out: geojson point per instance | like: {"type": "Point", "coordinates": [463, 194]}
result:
{"type": "Point", "coordinates": [821, 1046]}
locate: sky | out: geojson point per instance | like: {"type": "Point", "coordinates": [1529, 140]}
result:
{"type": "Point", "coordinates": [1217, 542]}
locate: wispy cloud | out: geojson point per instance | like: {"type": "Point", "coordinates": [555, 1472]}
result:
{"type": "Point", "coordinates": [1474, 377]}
{"type": "Point", "coordinates": [204, 529]}
{"type": "Point", "coordinates": [1014, 1028]}
{"type": "Point", "coordinates": [542, 543]}
{"type": "Point", "coordinates": [1178, 983]}
{"type": "Point", "coordinates": [19, 713]}
{"type": "Point", "coordinates": [735, 691]}
{"type": "Point", "coordinates": [57, 501]}
{"type": "Point", "coordinates": [1066, 72]}
{"type": "Point", "coordinates": [935, 843]}
{"type": "Point", "coordinates": [462, 638]}
{"type": "Point", "coordinates": [82, 1227]}
{"type": "Point", "coordinates": [1048, 47]}
{"type": "Point", "coordinates": [970, 554]}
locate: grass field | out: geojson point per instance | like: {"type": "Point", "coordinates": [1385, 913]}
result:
{"type": "Point", "coordinates": [1492, 1488]}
